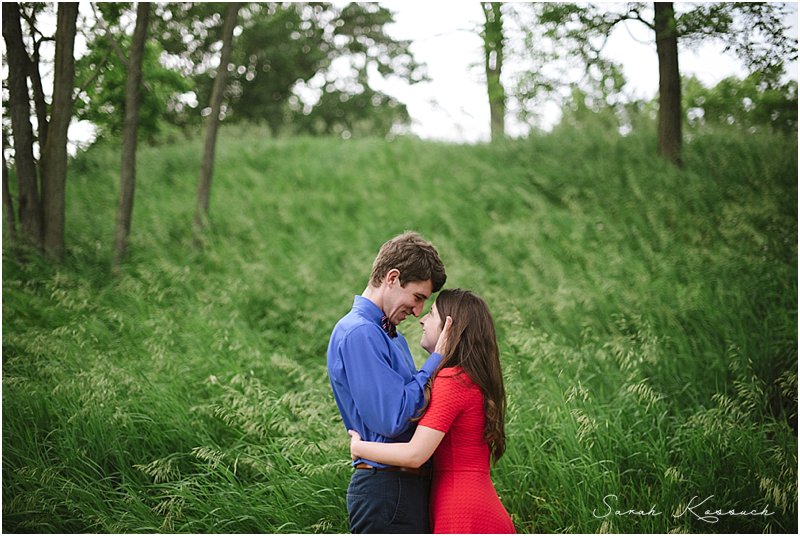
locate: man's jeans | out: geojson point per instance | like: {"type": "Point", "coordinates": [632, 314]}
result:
{"type": "Point", "coordinates": [388, 502]}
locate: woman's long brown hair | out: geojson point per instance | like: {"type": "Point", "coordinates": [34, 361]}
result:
{"type": "Point", "coordinates": [472, 345]}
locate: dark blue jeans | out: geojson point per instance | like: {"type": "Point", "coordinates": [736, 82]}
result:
{"type": "Point", "coordinates": [388, 502]}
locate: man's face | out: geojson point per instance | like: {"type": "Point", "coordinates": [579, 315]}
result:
{"type": "Point", "coordinates": [399, 301]}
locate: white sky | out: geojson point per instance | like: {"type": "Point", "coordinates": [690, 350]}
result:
{"type": "Point", "coordinates": [454, 106]}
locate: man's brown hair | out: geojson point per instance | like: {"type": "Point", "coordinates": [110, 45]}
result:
{"type": "Point", "coordinates": [413, 256]}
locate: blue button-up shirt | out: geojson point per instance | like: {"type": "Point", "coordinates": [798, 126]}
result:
{"type": "Point", "coordinates": [375, 382]}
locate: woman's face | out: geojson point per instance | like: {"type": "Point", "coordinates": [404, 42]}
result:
{"type": "Point", "coordinates": [431, 329]}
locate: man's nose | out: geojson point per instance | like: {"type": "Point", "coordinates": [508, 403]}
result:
{"type": "Point", "coordinates": [418, 310]}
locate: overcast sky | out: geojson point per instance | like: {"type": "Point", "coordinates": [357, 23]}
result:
{"type": "Point", "coordinates": [454, 106]}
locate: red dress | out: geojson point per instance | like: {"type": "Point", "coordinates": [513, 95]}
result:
{"type": "Point", "coordinates": [463, 499]}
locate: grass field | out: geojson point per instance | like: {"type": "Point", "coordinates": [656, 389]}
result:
{"type": "Point", "coordinates": [647, 320]}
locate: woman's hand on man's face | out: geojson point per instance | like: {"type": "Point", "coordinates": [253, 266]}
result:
{"type": "Point", "coordinates": [441, 343]}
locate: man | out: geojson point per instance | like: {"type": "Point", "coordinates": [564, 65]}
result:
{"type": "Point", "coordinates": [377, 387]}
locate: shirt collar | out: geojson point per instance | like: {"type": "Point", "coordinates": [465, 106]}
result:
{"type": "Point", "coordinates": [368, 309]}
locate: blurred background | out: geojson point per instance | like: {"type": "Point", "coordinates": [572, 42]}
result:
{"type": "Point", "coordinates": [194, 192]}
{"type": "Point", "coordinates": [446, 98]}
{"type": "Point", "coordinates": [448, 41]}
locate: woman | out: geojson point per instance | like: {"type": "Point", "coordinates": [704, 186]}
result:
{"type": "Point", "coordinates": [464, 418]}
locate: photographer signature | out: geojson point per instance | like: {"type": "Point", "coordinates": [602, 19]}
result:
{"type": "Point", "coordinates": [692, 509]}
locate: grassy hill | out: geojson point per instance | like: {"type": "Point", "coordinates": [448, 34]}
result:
{"type": "Point", "coordinates": [647, 319]}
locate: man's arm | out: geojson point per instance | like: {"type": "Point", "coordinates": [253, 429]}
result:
{"type": "Point", "coordinates": [383, 398]}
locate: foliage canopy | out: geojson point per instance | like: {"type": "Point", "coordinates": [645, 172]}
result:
{"type": "Point", "coordinates": [298, 68]}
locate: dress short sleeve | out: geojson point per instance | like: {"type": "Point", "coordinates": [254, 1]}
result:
{"type": "Point", "coordinates": [447, 401]}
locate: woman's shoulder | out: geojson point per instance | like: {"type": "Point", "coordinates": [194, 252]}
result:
{"type": "Point", "coordinates": [450, 372]}
{"type": "Point", "coordinates": [454, 375]}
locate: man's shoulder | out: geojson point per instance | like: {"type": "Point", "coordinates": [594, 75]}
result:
{"type": "Point", "coordinates": [352, 323]}
{"type": "Point", "coordinates": [349, 326]}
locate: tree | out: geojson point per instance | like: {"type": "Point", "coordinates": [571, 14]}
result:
{"type": "Point", "coordinates": [282, 61]}
{"type": "Point", "coordinates": [42, 191]}
{"type": "Point", "coordinates": [752, 104]}
{"type": "Point", "coordinates": [54, 152]}
{"type": "Point", "coordinates": [344, 114]}
{"type": "Point", "coordinates": [545, 71]}
{"type": "Point", "coordinates": [8, 203]}
{"type": "Point", "coordinates": [103, 71]}
{"type": "Point", "coordinates": [754, 31]}
{"type": "Point", "coordinates": [40, 104]}
{"type": "Point", "coordinates": [493, 62]}
{"type": "Point", "coordinates": [359, 42]}
{"type": "Point", "coordinates": [130, 135]}
{"type": "Point", "coordinates": [669, 83]}
{"type": "Point", "coordinates": [207, 166]}
{"type": "Point", "coordinates": [29, 201]}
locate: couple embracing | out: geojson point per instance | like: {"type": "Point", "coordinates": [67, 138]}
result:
{"type": "Point", "coordinates": [422, 441]}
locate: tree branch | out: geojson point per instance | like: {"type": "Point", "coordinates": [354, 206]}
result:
{"type": "Point", "coordinates": [118, 51]}
{"type": "Point", "coordinates": [642, 20]}
{"type": "Point", "coordinates": [114, 45]}
{"type": "Point", "coordinates": [94, 76]}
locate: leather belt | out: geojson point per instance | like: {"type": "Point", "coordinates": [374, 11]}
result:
{"type": "Point", "coordinates": [422, 471]}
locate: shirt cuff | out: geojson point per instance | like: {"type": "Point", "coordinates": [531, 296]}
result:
{"type": "Point", "coordinates": [432, 363]}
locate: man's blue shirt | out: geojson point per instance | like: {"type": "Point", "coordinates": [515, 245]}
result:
{"type": "Point", "coordinates": [375, 382]}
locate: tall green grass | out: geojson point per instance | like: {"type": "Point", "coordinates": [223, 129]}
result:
{"type": "Point", "coordinates": [647, 319]}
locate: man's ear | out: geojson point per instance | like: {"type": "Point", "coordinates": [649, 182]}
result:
{"type": "Point", "coordinates": [392, 276]}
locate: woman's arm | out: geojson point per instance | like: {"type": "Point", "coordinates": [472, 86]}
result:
{"type": "Point", "coordinates": [412, 454]}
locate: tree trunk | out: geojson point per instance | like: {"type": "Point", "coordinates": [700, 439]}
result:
{"type": "Point", "coordinates": [130, 135]}
{"type": "Point", "coordinates": [493, 59]}
{"type": "Point", "coordinates": [54, 153]}
{"type": "Point", "coordinates": [30, 208]}
{"type": "Point", "coordinates": [40, 104]}
{"type": "Point", "coordinates": [669, 84]}
{"type": "Point", "coordinates": [8, 204]}
{"type": "Point", "coordinates": [207, 166]}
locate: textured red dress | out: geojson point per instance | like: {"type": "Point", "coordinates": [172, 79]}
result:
{"type": "Point", "coordinates": [463, 498]}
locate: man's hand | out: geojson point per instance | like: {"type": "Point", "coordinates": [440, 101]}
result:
{"type": "Point", "coordinates": [444, 336]}
{"type": "Point", "coordinates": [355, 438]}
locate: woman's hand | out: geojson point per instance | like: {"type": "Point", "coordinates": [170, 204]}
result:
{"type": "Point", "coordinates": [355, 439]}
{"type": "Point", "coordinates": [444, 336]}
